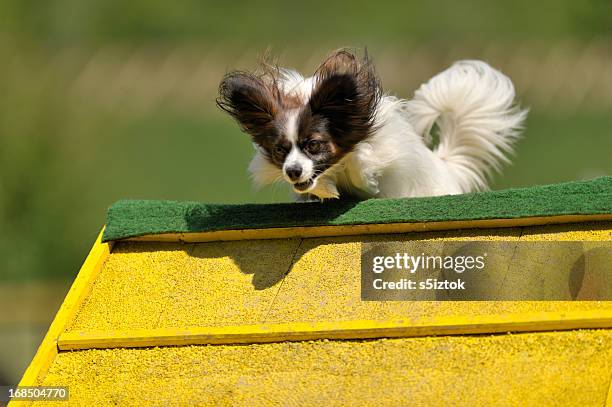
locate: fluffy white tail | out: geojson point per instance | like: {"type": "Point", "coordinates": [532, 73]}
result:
{"type": "Point", "coordinates": [473, 107]}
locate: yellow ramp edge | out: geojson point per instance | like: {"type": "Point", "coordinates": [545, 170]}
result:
{"type": "Point", "coordinates": [47, 350]}
{"type": "Point", "coordinates": [246, 334]}
{"type": "Point", "coordinates": [367, 229]}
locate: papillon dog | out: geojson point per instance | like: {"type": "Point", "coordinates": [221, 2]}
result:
{"type": "Point", "coordinates": [336, 134]}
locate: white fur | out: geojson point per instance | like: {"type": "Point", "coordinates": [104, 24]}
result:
{"type": "Point", "coordinates": [297, 157]}
{"type": "Point", "coordinates": [263, 172]}
{"type": "Point", "coordinates": [472, 105]}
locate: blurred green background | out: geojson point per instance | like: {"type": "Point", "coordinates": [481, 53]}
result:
{"type": "Point", "coordinates": [107, 99]}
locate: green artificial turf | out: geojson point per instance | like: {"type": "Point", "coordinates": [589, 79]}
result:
{"type": "Point", "coordinates": [129, 218]}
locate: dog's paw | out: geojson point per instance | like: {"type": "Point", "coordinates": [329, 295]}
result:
{"type": "Point", "coordinates": [326, 189]}
{"type": "Point", "coordinates": [305, 198]}
{"type": "Point", "coordinates": [372, 186]}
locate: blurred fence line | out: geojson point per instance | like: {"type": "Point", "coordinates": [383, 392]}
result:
{"type": "Point", "coordinates": [564, 78]}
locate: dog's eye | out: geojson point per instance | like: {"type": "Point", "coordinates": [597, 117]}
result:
{"type": "Point", "coordinates": [280, 150]}
{"type": "Point", "coordinates": [313, 146]}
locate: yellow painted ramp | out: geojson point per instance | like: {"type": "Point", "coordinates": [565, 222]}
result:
{"type": "Point", "coordinates": [538, 369]}
{"type": "Point", "coordinates": [281, 322]}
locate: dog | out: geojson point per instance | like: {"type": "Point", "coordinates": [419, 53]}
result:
{"type": "Point", "coordinates": [337, 135]}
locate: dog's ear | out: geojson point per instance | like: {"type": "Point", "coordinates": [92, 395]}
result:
{"type": "Point", "coordinates": [249, 100]}
{"type": "Point", "coordinates": [346, 94]}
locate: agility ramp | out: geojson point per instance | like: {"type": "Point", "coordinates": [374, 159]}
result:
{"type": "Point", "coordinates": [186, 303]}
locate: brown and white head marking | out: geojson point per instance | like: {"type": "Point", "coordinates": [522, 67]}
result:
{"type": "Point", "coordinates": [304, 135]}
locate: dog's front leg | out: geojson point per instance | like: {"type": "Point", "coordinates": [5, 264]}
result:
{"type": "Point", "coordinates": [363, 169]}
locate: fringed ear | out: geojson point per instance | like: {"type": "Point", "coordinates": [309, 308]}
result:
{"type": "Point", "coordinates": [338, 62]}
{"type": "Point", "coordinates": [250, 101]}
{"type": "Point", "coordinates": [346, 94]}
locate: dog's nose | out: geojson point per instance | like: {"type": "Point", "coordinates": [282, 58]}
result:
{"type": "Point", "coordinates": [294, 172]}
